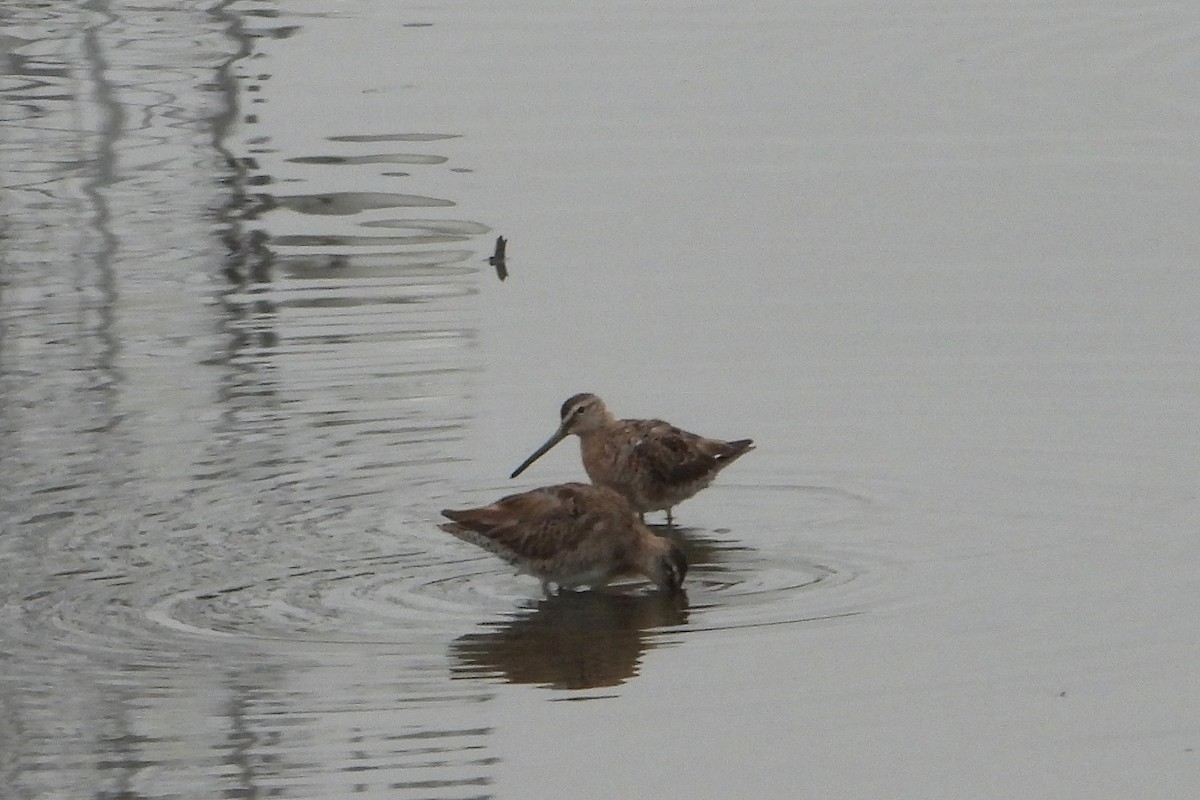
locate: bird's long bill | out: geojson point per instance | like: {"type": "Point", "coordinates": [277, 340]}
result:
{"type": "Point", "coordinates": [558, 436]}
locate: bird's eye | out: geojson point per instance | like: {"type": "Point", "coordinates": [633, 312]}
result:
{"type": "Point", "coordinates": [672, 572]}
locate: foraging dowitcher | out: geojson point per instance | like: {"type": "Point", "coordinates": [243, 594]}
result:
{"type": "Point", "coordinates": [653, 463]}
{"type": "Point", "coordinates": [571, 535]}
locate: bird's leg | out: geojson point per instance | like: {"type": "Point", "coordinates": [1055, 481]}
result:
{"type": "Point", "coordinates": [670, 519]}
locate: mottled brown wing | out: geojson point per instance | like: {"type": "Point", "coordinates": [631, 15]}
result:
{"type": "Point", "coordinates": [531, 526]}
{"type": "Point", "coordinates": [673, 456]}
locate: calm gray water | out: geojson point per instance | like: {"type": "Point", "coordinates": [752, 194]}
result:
{"type": "Point", "coordinates": [938, 260]}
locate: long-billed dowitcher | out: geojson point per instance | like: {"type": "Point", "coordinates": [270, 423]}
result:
{"type": "Point", "coordinates": [571, 535]}
{"type": "Point", "coordinates": [653, 463]}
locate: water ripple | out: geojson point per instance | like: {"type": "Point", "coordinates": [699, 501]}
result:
{"type": "Point", "coordinates": [337, 579]}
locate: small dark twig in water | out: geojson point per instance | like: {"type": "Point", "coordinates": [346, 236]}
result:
{"type": "Point", "coordinates": [497, 259]}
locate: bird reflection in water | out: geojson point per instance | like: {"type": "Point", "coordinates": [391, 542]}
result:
{"type": "Point", "coordinates": [571, 640]}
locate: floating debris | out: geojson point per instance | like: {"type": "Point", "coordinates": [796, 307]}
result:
{"type": "Point", "coordinates": [497, 258]}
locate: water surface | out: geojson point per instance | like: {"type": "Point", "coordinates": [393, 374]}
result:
{"type": "Point", "coordinates": [938, 262]}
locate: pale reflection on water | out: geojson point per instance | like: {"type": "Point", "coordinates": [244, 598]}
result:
{"type": "Point", "coordinates": [205, 412]}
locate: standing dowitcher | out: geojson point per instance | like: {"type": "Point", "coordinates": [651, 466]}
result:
{"type": "Point", "coordinates": [571, 535]}
{"type": "Point", "coordinates": [653, 463]}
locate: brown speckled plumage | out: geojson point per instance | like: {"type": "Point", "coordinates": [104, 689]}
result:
{"type": "Point", "coordinates": [654, 464]}
{"type": "Point", "coordinates": [571, 535]}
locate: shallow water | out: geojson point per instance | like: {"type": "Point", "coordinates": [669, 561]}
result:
{"type": "Point", "coordinates": [938, 262]}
